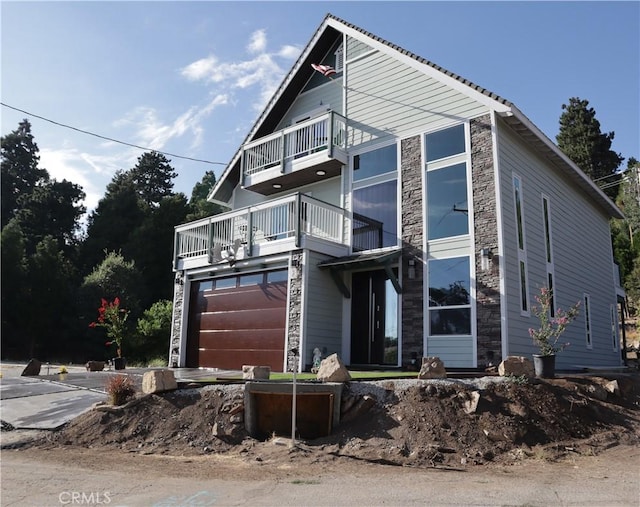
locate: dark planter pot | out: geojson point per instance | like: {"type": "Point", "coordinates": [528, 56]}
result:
{"type": "Point", "coordinates": [544, 366]}
{"type": "Point", "coordinates": [119, 363]}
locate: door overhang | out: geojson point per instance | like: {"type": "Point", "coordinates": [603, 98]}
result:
{"type": "Point", "coordinates": [366, 260]}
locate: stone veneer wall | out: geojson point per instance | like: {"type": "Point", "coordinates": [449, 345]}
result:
{"type": "Point", "coordinates": [295, 309]}
{"type": "Point", "coordinates": [412, 240]}
{"type": "Point", "coordinates": [176, 322]}
{"type": "Point", "coordinates": [488, 318]}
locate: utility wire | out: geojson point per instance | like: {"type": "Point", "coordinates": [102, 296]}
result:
{"type": "Point", "coordinates": [111, 139]}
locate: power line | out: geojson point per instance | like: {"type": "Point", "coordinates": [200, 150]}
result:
{"type": "Point", "coordinates": [111, 139]}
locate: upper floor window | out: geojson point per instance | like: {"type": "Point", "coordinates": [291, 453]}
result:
{"type": "Point", "coordinates": [447, 205]}
{"type": "Point", "coordinates": [449, 296]}
{"type": "Point", "coordinates": [445, 143]}
{"type": "Point", "coordinates": [376, 162]}
{"type": "Point", "coordinates": [375, 199]}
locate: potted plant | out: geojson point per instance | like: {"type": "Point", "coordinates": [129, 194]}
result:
{"type": "Point", "coordinates": [546, 337]}
{"type": "Point", "coordinates": [113, 318]}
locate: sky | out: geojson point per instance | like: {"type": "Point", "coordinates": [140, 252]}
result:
{"type": "Point", "coordinates": [190, 78]}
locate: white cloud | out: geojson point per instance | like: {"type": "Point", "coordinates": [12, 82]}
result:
{"type": "Point", "coordinates": [258, 42]}
{"type": "Point", "coordinates": [261, 69]}
{"type": "Point", "coordinates": [153, 133]}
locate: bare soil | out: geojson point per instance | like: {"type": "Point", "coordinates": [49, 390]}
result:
{"type": "Point", "coordinates": [412, 423]}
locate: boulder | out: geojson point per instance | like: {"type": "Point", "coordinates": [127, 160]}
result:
{"type": "Point", "coordinates": [256, 372]}
{"type": "Point", "coordinates": [95, 365]}
{"type": "Point", "coordinates": [32, 369]}
{"type": "Point", "coordinates": [332, 369]}
{"type": "Point", "coordinates": [516, 366]}
{"type": "Point", "coordinates": [470, 401]}
{"type": "Point", "coordinates": [432, 367]}
{"type": "Point", "coordinates": [157, 381]}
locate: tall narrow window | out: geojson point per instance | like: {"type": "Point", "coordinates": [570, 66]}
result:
{"type": "Point", "coordinates": [546, 217]}
{"type": "Point", "coordinates": [614, 327]}
{"type": "Point", "coordinates": [375, 201]}
{"type": "Point", "coordinates": [587, 320]}
{"type": "Point", "coordinates": [522, 254]}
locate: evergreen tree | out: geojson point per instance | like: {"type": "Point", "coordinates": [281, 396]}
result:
{"type": "Point", "coordinates": [19, 168]}
{"type": "Point", "coordinates": [199, 206]}
{"type": "Point", "coordinates": [152, 178]}
{"type": "Point", "coordinates": [582, 141]}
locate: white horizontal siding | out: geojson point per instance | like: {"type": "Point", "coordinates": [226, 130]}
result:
{"type": "Point", "coordinates": [355, 48]}
{"type": "Point", "coordinates": [454, 351]}
{"type": "Point", "coordinates": [386, 98]}
{"type": "Point", "coordinates": [326, 96]}
{"type": "Point", "coordinates": [583, 261]}
{"type": "Point", "coordinates": [322, 310]}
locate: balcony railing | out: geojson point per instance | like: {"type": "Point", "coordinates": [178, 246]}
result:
{"type": "Point", "coordinates": [326, 132]}
{"type": "Point", "coordinates": [275, 226]}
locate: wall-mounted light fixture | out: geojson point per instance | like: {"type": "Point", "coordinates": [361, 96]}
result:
{"type": "Point", "coordinates": [486, 254]}
{"type": "Point", "coordinates": [412, 269]}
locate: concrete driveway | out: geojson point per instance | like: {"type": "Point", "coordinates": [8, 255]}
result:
{"type": "Point", "coordinates": [49, 400]}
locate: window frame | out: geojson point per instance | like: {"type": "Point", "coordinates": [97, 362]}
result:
{"type": "Point", "coordinates": [521, 244]}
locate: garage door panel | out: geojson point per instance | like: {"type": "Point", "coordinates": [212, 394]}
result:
{"type": "Point", "coordinates": [231, 327]}
{"type": "Point", "coordinates": [271, 297]}
{"type": "Point", "coordinates": [269, 318]}
{"type": "Point", "coordinates": [241, 339]}
{"type": "Point", "coordinates": [228, 359]}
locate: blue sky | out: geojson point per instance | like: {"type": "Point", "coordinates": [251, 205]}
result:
{"type": "Point", "coordinates": [190, 78]}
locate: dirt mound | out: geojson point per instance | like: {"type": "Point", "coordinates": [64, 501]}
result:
{"type": "Point", "coordinates": [411, 423]}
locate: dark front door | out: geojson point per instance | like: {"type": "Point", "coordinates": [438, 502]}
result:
{"type": "Point", "coordinates": [368, 317]}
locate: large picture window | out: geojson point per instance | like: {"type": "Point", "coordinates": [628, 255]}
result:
{"type": "Point", "coordinates": [449, 296]}
{"type": "Point", "coordinates": [375, 199]}
{"type": "Point", "coordinates": [447, 204]}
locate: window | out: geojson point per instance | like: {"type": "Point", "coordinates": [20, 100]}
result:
{"type": "Point", "coordinates": [546, 216]}
{"type": "Point", "coordinates": [375, 199]}
{"type": "Point", "coordinates": [277, 276]}
{"type": "Point", "coordinates": [445, 143]}
{"type": "Point", "coordinates": [614, 327]}
{"type": "Point", "coordinates": [522, 255]}
{"type": "Point", "coordinates": [246, 280]}
{"type": "Point", "coordinates": [226, 283]}
{"type": "Point", "coordinates": [447, 205]}
{"type": "Point", "coordinates": [587, 321]}
{"type": "Point", "coordinates": [376, 162]}
{"type": "Point", "coordinates": [449, 296]}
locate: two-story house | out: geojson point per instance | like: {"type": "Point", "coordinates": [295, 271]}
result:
{"type": "Point", "coordinates": [388, 211]}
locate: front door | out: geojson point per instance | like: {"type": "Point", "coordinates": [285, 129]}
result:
{"type": "Point", "coordinates": [374, 329]}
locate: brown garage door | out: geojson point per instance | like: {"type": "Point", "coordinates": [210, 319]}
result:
{"type": "Point", "coordinates": [238, 320]}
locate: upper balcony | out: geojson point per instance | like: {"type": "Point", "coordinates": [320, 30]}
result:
{"type": "Point", "coordinates": [277, 226]}
{"type": "Point", "coordinates": [304, 153]}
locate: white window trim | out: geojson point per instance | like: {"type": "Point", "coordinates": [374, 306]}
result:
{"type": "Point", "coordinates": [522, 252]}
{"type": "Point", "coordinates": [613, 310]}
{"type": "Point", "coordinates": [548, 249]}
{"type": "Point", "coordinates": [588, 329]}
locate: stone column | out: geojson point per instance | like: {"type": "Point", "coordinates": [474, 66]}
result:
{"type": "Point", "coordinates": [412, 241]}
{"type": "Point", "coordinates": [486, 237]}
{"type": "Point", "coordinates": [176, 322]}
{"type": "Point", "coordinates": [295, 309]}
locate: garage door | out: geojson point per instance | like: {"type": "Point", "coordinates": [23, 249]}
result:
{"type": "Point", "coordinates": [238, 320]}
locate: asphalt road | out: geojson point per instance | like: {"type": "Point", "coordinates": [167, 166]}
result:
{"type": "Point", "coordinates": [37, 478]}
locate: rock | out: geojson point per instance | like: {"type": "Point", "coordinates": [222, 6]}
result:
{"type": "Point", "coordinates": [516, 366]}
{"type": "Point", "coordinates": [156, 381]}
{"type": "Point", "coordinates": [596, 391]}
{"type": "Point", "coordinates": [95, 365]}
{"type": "Point", "coordinates": [332, 369]}
{"type": "Point", "coordinates": [470, 401]}
{"type": "Point", "coordinates": [613, 387]}
{"type": "Point", "coordinates": [432, 367]}
{"type": "Point", "coordinates": [32, 369]}
{"type": "Point", "coordinates": [256, 372]}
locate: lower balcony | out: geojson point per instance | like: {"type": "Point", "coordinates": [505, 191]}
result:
{"type": "Point", "coordinates": [281, 225]}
